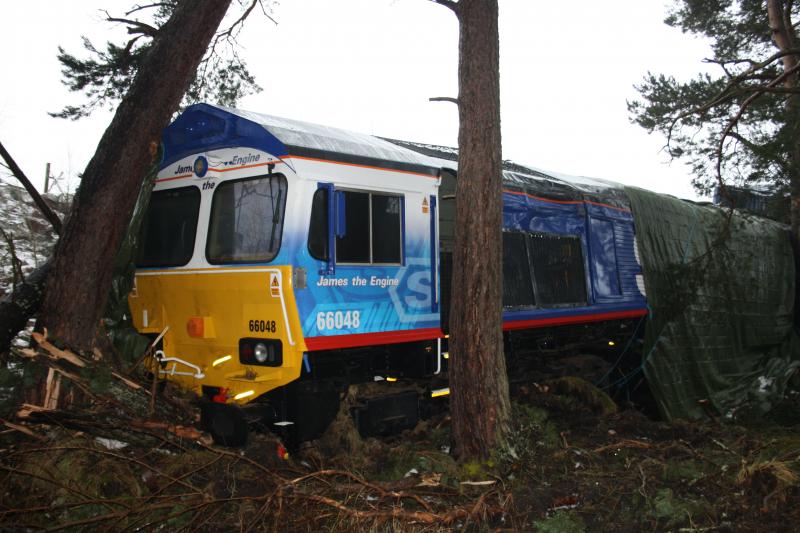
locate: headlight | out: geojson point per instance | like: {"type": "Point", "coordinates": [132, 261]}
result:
{"type": "Point", "coordinates": [260, 352]}
{"type": "Point", "coordinates": [264, 352]}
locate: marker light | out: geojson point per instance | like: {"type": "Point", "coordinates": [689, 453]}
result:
{"type": "Point", "coordinates": [446, 355]}
{"type": "Point", "coordinates": [611, 343]}
{"type": "Point", "coordinates": [195, 326]}
{"type": "Point", "coordinates": [244, 394]}
{"type": "Point", "coordinates": [440, 392]}
{"type": "Point", "coordinates": [222, 360]}
{"type": "Point", "coordinates": [260, 352]}
{"type": "Point", "coordinates": [390, 378]}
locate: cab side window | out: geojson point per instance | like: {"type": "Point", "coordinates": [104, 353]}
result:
{"type": "Point", "coordinates": [318, 227]}
{"type": "Point", "coordinates": [367, 227]}
{"type": "Point", "coordinates": [168, 231]}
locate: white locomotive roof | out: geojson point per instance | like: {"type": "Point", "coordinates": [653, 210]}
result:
{"type": "Point", "coordinates": [528, 177]}
{"type": "Point", "coordinates": [299, 134]}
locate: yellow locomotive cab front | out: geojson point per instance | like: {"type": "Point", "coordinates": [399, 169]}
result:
{"type": "Point", "coordinates": [228, 328]}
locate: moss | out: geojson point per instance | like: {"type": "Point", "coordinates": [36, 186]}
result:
{"type": "Point", "coordinates": [785, 445]}
{"type": "Point", "coordinates": [561, 522]}
{"type": "Point", "coordinates": [585, 394]}
{"type": "Point", "coordinates": [531, 431]}
{"type": "Point", "coordinates": [473, 469]}
{"type": "Point", "coordinates": [673, 511]}
{"type": "Point", "coordinates": [678, 470]}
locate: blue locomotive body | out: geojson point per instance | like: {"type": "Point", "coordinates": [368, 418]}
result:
{"type": "Point", "coordinates": [353, 237]}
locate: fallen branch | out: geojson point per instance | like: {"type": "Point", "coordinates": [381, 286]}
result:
{"type": "Point", "coordinates": [624, 443]}
{"type": "Point", "coordinates": [48, 213]}
{"type": "Point", "coordinates": [22, 429]}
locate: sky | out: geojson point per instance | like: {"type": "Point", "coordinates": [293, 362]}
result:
{"type": "Point", "coordinates": [567, 70]}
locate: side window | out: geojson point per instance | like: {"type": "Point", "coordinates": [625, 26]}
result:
{"type": "Point", "coordinates": [318, 227]}
{"type": "Point", "coordinates": [246, 221]}
{"type": "Point", "coordinates": [369, 230]}
{"type": "Point", "coordinates": [557, 269]}
{"type": "Point", "coordinates": [352, 240]}
{"type": "Point", "coordinates": [168, 230]}
{"type": "Point", "coordinates": [517, 284]}
{"type": "Point", "coordinates": [386, 231]}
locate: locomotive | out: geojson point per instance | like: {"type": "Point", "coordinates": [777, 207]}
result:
{"type": "Point", "coordinates": [281, 262]}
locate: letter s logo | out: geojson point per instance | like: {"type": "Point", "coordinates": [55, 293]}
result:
{"type": "Point", "coordinates": [419, 285]}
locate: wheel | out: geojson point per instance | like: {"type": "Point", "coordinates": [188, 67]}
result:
{"type": "Point", "coordinates": [226, 423]}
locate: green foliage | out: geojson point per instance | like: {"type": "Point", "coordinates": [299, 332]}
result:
{"type": "Point", "coordinates": [561, 522]}
{"type": "Point", "coordinates": [693, 114]}
{"type": "Point", "coordinates": [106, 74]}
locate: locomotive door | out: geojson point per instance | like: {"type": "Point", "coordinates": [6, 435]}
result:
{"type": "Point", "coordinates": [605, 274]}
{"type": "Point", "coordinates": [446, 214]}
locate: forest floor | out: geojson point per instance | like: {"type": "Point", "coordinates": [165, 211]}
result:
{"type": "Point", "coordinates": [571, 470]}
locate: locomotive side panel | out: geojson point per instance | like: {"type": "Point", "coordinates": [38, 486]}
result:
{"type": "Point", "coordinates": [375, 281]}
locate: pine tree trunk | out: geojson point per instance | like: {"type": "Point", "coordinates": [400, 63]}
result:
{"type": "Point", "coordinates": [783, 35]}
{"type": "Point", "coordinates": [83, 261]}
{"type": "Point", "coordinates": [479, 401]}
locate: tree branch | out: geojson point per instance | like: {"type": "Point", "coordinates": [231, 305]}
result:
{"type": "Point", "coordinates": [443, 99]}
{"type": "Point", "coordinates": [727, 93]}
{"type": "Point", "coordinates": [449, 4]}
{"type": "Point", "coordinates": [48, 213]}
{"type": "Point", "coordinates": [135, 26]}
{"type": "Point", "coordinates": [146, 6]}
{"type": "Point", "coordinates": [750, 99]}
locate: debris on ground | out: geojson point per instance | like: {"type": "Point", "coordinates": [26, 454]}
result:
{"type": "Point", "coordinates": [123, 459]}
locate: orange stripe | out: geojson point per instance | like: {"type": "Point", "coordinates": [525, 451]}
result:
{"type": "Point", "coordinates": [360, 166]}
{"type": "Point", "coordinates": [246, 166]}
{"type": "Point", "coordinates": [175, 178]}
{"type": "Point", "coordinates": [571, 319]}
{"type": "Point", "coordinates": [565, 202]}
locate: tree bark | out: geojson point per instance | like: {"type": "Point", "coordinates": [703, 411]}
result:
{"type": "Point", "coordinates": [783, 35]}
{"type": "Point", "coordinates": [83, 260]}
{"type": "Point", "coordinates": [479, 401]}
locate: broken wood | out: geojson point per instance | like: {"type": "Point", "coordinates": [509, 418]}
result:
{"type": "Point", "coordinates": [22, 429]}
{"type": "Point", "coordinates": [26, 409]}
{"type": "Point", "coordinates": [184, 432]}
{"type": "Point", "coordinates": [148, 351]}
{"type": "Point", "coordinates": [126, 381]}
{"type": "Point", "coordinates": [624, 443]}
{"type": "Point", "coordinates": [52, 389]}
{"type": "Point", "coordinates": [57, 353]}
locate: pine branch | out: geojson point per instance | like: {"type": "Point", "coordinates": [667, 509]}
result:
{"type": "Point", "coordinates": [750, 99]}
{"type": "Point", "coordinates": [134, 26]}
{"type": "Point", "coordinates": [137, 7]}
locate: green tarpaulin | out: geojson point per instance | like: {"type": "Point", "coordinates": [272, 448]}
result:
{"type": "Point", "coordinates": [720, 337]}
